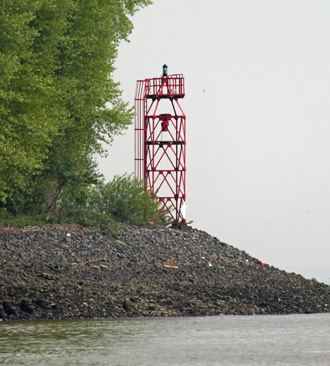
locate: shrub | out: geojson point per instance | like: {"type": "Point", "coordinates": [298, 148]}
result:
{"type": "Point", "coordinates": [126, 199]}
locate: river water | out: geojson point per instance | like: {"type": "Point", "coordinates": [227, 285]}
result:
{"type": "Point", "coordinates": [221, 340]}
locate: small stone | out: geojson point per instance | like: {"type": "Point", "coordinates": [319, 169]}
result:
{"type": "Point", "coordinates": [2, 312]}
{"type": "Point", "coordinates": [126, 305]}
{"type": "Point", "coordinates": [9, 308]}
{"type": "Point", "coordinates": [43, 304]}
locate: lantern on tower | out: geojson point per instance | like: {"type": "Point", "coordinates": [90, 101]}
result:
{"type": "Point", "coordinates": [160, 141]}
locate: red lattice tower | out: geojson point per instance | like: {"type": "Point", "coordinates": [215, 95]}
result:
{"type": "Point", "coordinates": [160, 141]}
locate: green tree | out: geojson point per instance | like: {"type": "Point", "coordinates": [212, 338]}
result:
{"type": "Point", "coordinates": [58, 99]}
{"type": "Point", "coordinates": [26, 126]}
{"type": "Point", "coordinates": [126, 199]}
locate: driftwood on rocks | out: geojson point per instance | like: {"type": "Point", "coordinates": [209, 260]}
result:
{"type": "Point", "coordinates": [65, 272]}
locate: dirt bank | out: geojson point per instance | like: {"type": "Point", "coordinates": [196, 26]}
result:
{"type": "Point", "coordinates": [66, 272]}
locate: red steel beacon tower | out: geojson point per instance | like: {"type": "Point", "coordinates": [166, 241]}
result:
{"type": "Point", "coordinates": [160, 141]}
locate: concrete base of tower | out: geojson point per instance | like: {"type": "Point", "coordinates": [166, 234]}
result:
{"type": "Point", "coordinates": [183, 226]}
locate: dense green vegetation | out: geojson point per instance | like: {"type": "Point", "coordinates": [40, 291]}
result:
{"type": "Point", "coordinates": [100, 205]}
{"type": "Point", "coordinates": [59, 104]}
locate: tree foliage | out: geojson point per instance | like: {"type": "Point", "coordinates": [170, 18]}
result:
{"type": "Point", "coordinates": [101, 205]}
{"type": "Point", "coordinates": [58, 100]}
{"type": "Point", "coordinates": [126, 199]}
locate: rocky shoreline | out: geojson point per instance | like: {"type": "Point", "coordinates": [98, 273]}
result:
{"type": "Point", "coordinates": [63, 272]}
